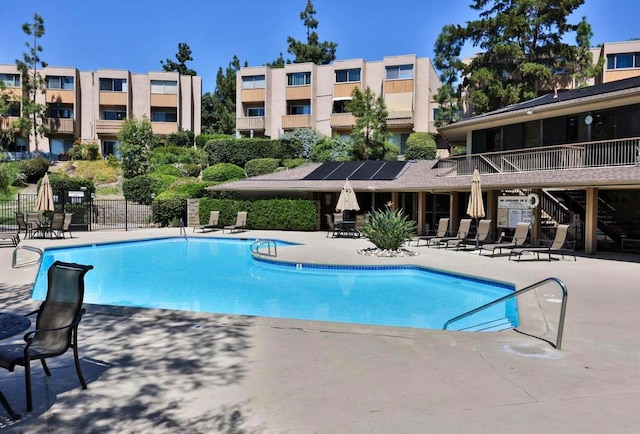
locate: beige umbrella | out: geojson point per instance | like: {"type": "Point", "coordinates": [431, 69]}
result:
{"type": "Point", "coordinates": [347, 200]}
{"type": "Point", "coordinates": [44, 201]}
{"type": "Point", "coordinates": [475, 209]}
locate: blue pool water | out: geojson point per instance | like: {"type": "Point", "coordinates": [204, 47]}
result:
{"type": "Point", "coordinates": [219, 275]}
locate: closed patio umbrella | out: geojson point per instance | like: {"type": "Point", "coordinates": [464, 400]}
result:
{"type": "Point", "coordinates": [475, 209]}
{"type": "Point", "coordinates": [347, 200]}
{"type": "Point", "coordinates": [44, 201]}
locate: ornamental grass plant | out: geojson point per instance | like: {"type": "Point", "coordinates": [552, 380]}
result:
{"type": "Point", "coordinates": [388, 229]}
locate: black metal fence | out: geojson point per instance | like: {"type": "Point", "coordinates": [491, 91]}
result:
{"type": "Point", "coordinates": [88, 214]}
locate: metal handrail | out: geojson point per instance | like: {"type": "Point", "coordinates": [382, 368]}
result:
{"type": "Point", "coordinates": [183, 230]}
{"type": "Point", "coordinates": [257, 244]}
{"type": "Point", "coordinates": [14, 263]}
{"type": "Point", "coordinates": [563, 308]}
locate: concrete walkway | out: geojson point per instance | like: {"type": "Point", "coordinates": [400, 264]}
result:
{"type": "Point", "coordinates": [171, 371]}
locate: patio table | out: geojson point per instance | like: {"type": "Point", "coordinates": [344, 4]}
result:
{"type": "Point", "coordinates": [42, 230]}
{"type": "Point", "coordinates": [10, 325]}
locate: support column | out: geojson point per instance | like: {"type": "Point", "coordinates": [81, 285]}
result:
{"type": "Point", "coordinates": [491, 211]}
{"type": "Point", "coordinates": [591, 222]}
{"type": "Point", "coordinates": [454, 217]}
{"type": "Point", "coordinates": [422, 211]}
{"type": "Point", "coordinates": [395, 200]}
{"type": "Point", "coordinates": [536, 228]}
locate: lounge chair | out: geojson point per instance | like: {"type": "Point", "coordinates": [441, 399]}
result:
{"type": "Point", "coordinates": [463, 232]}
{"type": "Point", "coordinates": [66, 226]}
{"type": "Point", "coordinates": [56, 324]}
{"type": "Point", "coordinates": [518, 240]}
{"type": "Point", "coordinates": [212, 224]}
{"type": "Point", "coordinates": [9, 238]}
{"type": "Point", "coordinates": [443, 230]}
{"type": "Point", "coordinates": [241, 223]}
{"type": "Point", "coordinates": [481, 236]}
{"type": "Point", "coordinates": [559, 246]}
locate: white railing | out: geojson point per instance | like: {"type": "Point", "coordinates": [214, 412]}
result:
{"type": "Point", "coordinates": [620, 152]}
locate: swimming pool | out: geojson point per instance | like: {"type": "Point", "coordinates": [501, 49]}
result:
{"type": "Point", "coordinates": [221, 276]}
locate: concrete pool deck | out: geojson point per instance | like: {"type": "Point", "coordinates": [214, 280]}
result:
{"type": "Point", "coordinates": [167, 371]}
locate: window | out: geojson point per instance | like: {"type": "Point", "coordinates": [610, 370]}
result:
{"type": "Point", "coordinates": [340, 106]}
{"type": "Point", "coordinates": [253, 82]}
{"type": "Point", "coordinates": [113, 84]}
{"type": "Point", "coordinates": [164, 115]}
{"type": "Point", "coordinates": [13, 110]}
{"type": "Point", "coordinates": [10, 80]}
{"type": "Point", "coordinates": [347, 75]}
{"type": "Point", "coordinates": [399, 72]}
{"type": "Point", "coordinates": [166, 87]}
{"type": "Point", "coordinates": [56, 82]}
{"type": "Point", "coordinates": [114, 114]}
{"type": "Point", "coordinates": [299, 79]}
{"type": "Point", "coordinates": [58, 111]}
{"type": "Point", "coordinates": [299, 109]}
{"type": "Point", "coordinates": [623, 60]}
{"type": "Point", "coordinates": [110, 147]}
{"type": "Point", "coordinates": [255, 111]}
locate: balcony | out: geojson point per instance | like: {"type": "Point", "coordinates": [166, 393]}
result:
{"type": "Point", "coordinates": [400, 119]}
{"type": "Point", "coordinates": [6, 123]}
{"type": "Point", "coordinates": [342, 120]}
{"type": "Point", "coordinates": [61, 126]}
{"type": "Point", "coordinates": [255, 123]}
{"type": "Point", "coordinates": [108, 127]}
{"type": "Point", "coordinates": [164, 128]}
{"type": "Point", "coordinates": [607, 153]}
{"type": "Point", "coordinates": [291, 122]}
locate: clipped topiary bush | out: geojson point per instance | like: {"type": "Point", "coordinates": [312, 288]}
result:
{"type": "Point", "coordinates": [222, 172]}
{"type": "Point", "coordinates": [261, 166]}
{"type": "Point", "coordinates": [190, 170]}
{"type": "Point", "coordinates": [202, 139]}
{"type": "Point", "coordinates": [184, 189]}
{"type": "Point", "coordinates": [181, 138]}
{"type": "Point", "coordinates": [168, 169]}
{"type": "Point", "coordinates": [292, 163]}
{"type": "Point", "coordinates": [143, 188]}
{"type": "Point", "coordinates": [420, 146]}
{"type": "Point", "coordinates": [34, 168]}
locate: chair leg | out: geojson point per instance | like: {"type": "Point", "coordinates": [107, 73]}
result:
{"type": "Point", "coordinates": [27, 382]}
{"type": "Point", "coordinates": [5, 404]}
{"type": "Point", "coordinates": [77, 361]}
{"type": "Point", "coordinates": [45, 367]}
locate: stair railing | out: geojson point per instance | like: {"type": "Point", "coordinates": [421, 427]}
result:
{"type": "Point", "coordinates": [563, 307]}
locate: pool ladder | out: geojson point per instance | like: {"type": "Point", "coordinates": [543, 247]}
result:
{"type": "Point", "coordinates": [563, 307]}
{"type": "Point", "coordinates": [14, 261]}
{"type": "Point", "coordinates": [258, 244]}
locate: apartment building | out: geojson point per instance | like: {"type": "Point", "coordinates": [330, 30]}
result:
{"type": "Point", "coordinates": [91, 106]}
{"type": "Point", "coordinates": [304, 95]}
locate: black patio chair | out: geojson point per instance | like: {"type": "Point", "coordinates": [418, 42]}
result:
{"type": "Point", "coordinates": [56, 324]}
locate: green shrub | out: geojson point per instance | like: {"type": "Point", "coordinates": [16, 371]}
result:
{"type": "Point", "coordinates": [34, 168]}
{"type": "Point", "coordinates": [222, 172]}
{"type": "Point", "coordinates": [61, 183]}
{"type": "Point", "coordinates": [240, 151]}
{"type": "Point", "coordinates": [184, 189]}
{"type": "Point", "coordinates": [275, 214]}
{"type": "Point", "coordinates": [166, 211]}
{"type": "Point", "coordinates": [334, 149]}
{"type": "Point", "coordinates": [143, 188]}
{"type": "Point", "coordinates": [306, 138]}
{"type": "Point", "coordinates": [5, 178]}
{"type": "Point", "coordinates": [190, 170]}
{"type": "Point", "coordinates": [168, 169]}
{"type": "Point", "coordinates": [91, 151]}
{"type": "Point", "coordinates": [183, 139]}
{"type": "Point", "coordinates": [391, 151]}
{"type": "Point", "coordinates": [388, 229]}
{"type": "Point", "coordinates": [202, 139]}
{"type": "Point", "coordinates": [112, 160]}
{"type": "Point", "coordinates": [174, 154]}
{"type": "Point", "coordinates": [420, 146]}
{"type": "Point", "coordinates": [292, 163]}
{"type": "Point", "coordinates": [261, 166]}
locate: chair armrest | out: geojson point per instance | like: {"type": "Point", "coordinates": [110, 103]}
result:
{"type": "Point", "coordinates": [570, 245]}
{"type": "Point", "coordinates": [28, 337]}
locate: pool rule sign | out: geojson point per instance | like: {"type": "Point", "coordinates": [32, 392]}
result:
{"type": "Point", "coordinates": [515, 209]}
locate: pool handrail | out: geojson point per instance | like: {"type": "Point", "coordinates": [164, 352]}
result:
{"type": "Point", "coordinates": [14, 261]}
{"type": "Point", "coordinates": [563, 308]}
{"type": "Point", "coordinates": [255, 248]}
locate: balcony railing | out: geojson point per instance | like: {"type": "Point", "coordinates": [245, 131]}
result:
{"type": "Point", "coordinates": [342, 120]}
{"type": "Point", "coordinates": [61, 126]}
{"type": "Point", "coordinates": [620, 152]}
{"type": "Point", "coordinates": [164, 128]}
{"type": "Point", "coordinates": [255, 123]}
{"type": "Point", "coordinates": [6, 123]}
{"type": "Point", "coordinates": [290, 122]}
{"type": "Point", "coordinates": [400, 118]}
{"type": "Point", "coordinates": [108, 127]}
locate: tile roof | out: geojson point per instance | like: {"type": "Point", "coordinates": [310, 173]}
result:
{"type": "Point", "coordinates": [422, 175]}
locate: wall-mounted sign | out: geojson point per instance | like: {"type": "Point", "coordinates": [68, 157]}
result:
{"type": "Point", "coordinates": [513, 210]}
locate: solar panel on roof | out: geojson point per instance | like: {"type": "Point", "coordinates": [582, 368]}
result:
{"type": "Point", "coordinates": [367, 170]}
{"type": "Point", "coordinates": [390, 170]}
{"type": "Point", "coordinates": [344, 171]}
{"type": "Point", "coordinates": [323, 170]}
{"type": "Point", "coordinates": [357, 170]}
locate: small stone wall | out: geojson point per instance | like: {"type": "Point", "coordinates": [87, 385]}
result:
{"type": "Point", "coordinates": [193, 209]}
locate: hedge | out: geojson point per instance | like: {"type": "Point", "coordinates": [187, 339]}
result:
{"type": "Point", "coordinates": [272, 214]}
{"type": "Point", "coordinates": [222, 172]}
{"type": "Point", "coordinates": [202, 139]}
{"type": "Point", "coordinates": [240, 151]}
{"type": "Point", "coordinates": [168, 212]}
{"type": "Point", "coordinates": [60, 183]}
{"type": "Point", "coordinates": [141, 188]}
{"type": "Point", "coordinates": [261, 166]}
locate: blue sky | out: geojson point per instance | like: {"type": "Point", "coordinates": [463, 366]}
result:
{"type": "Point", "coordinates": [137, 34]}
